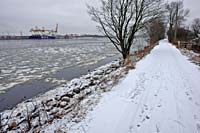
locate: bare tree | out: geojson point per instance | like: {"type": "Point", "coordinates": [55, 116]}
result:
{"type": "Point", "coordinates": [156, 30]}
{"type": "Point", "coordinates": [196, 27]}
{"type": "Point", "coordinates": [121, 20]}
{"type": "Point", "coordinates": [171, 18]}
{"type": "Point", "coordinates": [177, 15]}
{"type": "Point", "coordinates": [181, 14]}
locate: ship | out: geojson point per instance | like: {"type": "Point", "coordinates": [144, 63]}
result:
{"type": "Point", "coordinates": [37, 33]}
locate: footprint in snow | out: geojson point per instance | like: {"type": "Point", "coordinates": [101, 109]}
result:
{"type": "Point", "coordinates": [187, 93]}
{"type": "Point", "coordinates": [147, 117]}
{"type": "Point", "coordinates": [159, 106]}
{"type": "Point", "coordinates": [197, 104]}
{"type": "Point", "coordinates": [196, 117]}
{"type": "Point", "coordinates": [138, 125]}
{"type": "Point", "coordinates": [157, 129]}
{"type": "Point", "coordinates": [190, 98]}
{"type": "Point", "coordinates": [131, 129]}
{"type": "Point", "coordinates": [198, 127]}
{"type": "Point", "coordinates": [142, 111]}
{"type": "Point", "coordinates": [146, 107]}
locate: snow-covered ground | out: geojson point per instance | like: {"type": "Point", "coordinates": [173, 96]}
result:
{"type": "Point", "coordinates": [162, 95]}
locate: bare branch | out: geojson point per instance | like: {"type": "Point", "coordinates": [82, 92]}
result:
{"type": "Point", "coordinates": [196, 27]}
{"type": "Point", "coordinates": [120, 20]}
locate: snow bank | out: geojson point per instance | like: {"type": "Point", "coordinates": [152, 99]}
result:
{"type": "Point", "coordinates": [192, 56]}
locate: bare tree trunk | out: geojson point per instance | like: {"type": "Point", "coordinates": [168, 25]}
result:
{"type": "Point", "coordinates": [126, 52]}
{"type": "Point", "coordinates": [176, 23]}
{"type": "Point", "coordinates": [177, 14]}
{"type": "Point", "coordinates": [170, 32]}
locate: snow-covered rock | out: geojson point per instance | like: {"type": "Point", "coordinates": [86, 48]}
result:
{"type": "Point", "coordinates": [57, 103]}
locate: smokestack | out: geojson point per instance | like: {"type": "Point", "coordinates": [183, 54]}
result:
{"type": "Point", "coordinates": [56, 28]}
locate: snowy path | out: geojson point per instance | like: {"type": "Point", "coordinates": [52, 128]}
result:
{"type": "Point", "coordinates": [162, 95]}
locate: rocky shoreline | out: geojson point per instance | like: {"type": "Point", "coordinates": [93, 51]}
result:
{"type": "Point", "coordinates": [44, 109]}
{"type": "Point", "coordinates": [70, 102]}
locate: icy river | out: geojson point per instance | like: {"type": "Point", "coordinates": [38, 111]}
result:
{"type": "Point", "coordinates": [30, 67]}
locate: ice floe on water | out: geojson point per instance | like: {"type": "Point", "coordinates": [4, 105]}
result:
{"type": "Point", "coordinates": [25, 60]}
{"type": "Point", "coordinates": [22, 61]}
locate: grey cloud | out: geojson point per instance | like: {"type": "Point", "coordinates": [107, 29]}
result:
{"type": "Point", "coordinates": [71, 15]}
{"type": "Point", "coordinates": [21, 15]}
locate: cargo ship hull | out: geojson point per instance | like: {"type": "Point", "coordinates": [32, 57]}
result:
{"type": "Point", "coordinates": [41, 37]}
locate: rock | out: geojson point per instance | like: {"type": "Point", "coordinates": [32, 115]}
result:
{"type": "Point", "coordinates": [49, 108]}
{"type": "Point", "coordinates": [37, 131]}
{"type": "Point", "coordinates": [88, 91]}
{"type": "Point", "coordinates": [88, 76]}
{"type": "Point", "coordinates": [77, 96]}
{"type": "Point", "coordinates": [52, 103]}
{"type": "Point", "coordinates": [29, 100]}
{"type": "Point", "coordinates": [57, 98]}
{"type": "Point", "coordinates": [80, 98]}
{"type": "Point", "coordinates": [76, 90]}
{"type": "Point", "coordinates": [58, 115]}
{"type": "Point", "coordinates": [99, 72]}
{"type": "Point", "coordinates": [69, 94]}
{"type": "Point", "coordinates": [50, 100]}
{"type": "Point", "coordinates": [21, 117]}
{"type": "Point", "coordinates": [34, 115]}
{"type": "Point", "coordinates": [12, 125]}
{"type": "Point", "coordinates": [55, 105]}
{"type": "Point", "coordinates": [77, 120]}
{"type": "Point", "coordinates": [92, 83]}
{"type": "Point", "coordinates": [50, 120]}
{"type": "Point", "coordinates": [66, 99]}
{"type": "Point", "coordinates": [83, 87]}
{"type": "Point", "coordinates": [62, 104]}
{"type": "Point", "coordinates": [108, 71]}
{"type": "Point", "coordinates": [18, 114]}
{"type": "Point", "coordinates": [115, 66]}
{"type": "Point", "coordinates": [69, 106]}
{"type": "Point", "coordinates": [59, 131]}
{"type": "Point", "coordinates": [96, 77]}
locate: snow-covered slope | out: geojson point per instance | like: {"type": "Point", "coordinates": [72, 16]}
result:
{"type": "Point", "coordinates": [162, 95]}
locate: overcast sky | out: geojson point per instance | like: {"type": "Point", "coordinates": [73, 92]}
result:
{"type": "Point", "coordinates": [71, 15]}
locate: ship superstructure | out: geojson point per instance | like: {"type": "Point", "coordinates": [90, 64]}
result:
{"type": "Point", "coordinates": [37, 33]}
